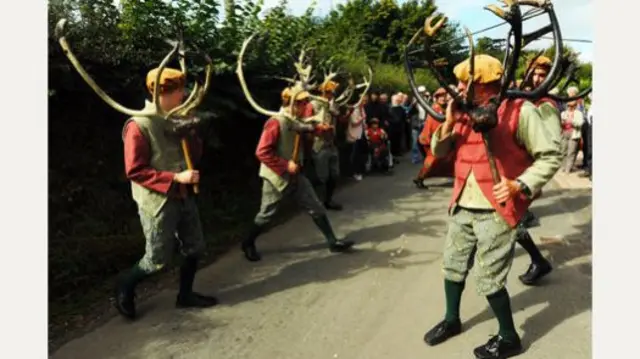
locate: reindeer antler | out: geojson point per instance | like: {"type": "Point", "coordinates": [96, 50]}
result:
{"type": "Point", "coordinates": [60, 34]}
{"type": "Point", "coordinates": [429, 31]}
{"type": "Point", "coordinates": [366, 83]}
{"type": "Point", "coordinates": [243, 83]}
{"type": "Point", "coordinates": [198, 93]}
{"type": "Point", "coordinates": [514, 18]}
{"type": "Point", "coordinates": [303, 72]}
{"type": "Point", "coordinates": [177, 49]}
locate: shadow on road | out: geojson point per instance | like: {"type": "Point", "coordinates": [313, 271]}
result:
{"type": "Point", "coordinates": [573, 200]}
{"type": "Point", "coordinates": [323, 268]}
{"type": "Point", "coordinates": [376, 215]}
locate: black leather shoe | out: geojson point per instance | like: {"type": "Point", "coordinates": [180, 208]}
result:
{"type": "Point", "coordinates": [332, 206]}
{"type": "Point", "coordinates": [250, 252]}
{"type": "Point", "coordinates": [124, 302]}
{"type": "Point", "coordinates": [341, 246]}
{"type": "Point", "coordinates": [442, 331]}
{"type": "Point", "coordinates": [535, 272]}
{"type": "Point", "coordinates": [498, 348]}
{"type": "Point", "coordinates": [420, 184]}
{"type": "Point", "coordinates": [195, 300]}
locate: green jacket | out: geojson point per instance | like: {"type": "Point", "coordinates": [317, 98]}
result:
{"type": "Point", "coordinates": [284, 149]}
{"type": "Point", "coordinates": [166, 155]}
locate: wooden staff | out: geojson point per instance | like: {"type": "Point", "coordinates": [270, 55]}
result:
{"type": "Point", "coordinates": [296, 152]}
{"type": "Point", "coordinates": [492, 162]}
{"type": "Point", "coordinates": [296, 148]}
{"type": "Point", "coordinates": [187, 158]}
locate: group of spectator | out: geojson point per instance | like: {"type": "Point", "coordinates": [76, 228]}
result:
{"type": "Point", "coordinates": [392, 122]}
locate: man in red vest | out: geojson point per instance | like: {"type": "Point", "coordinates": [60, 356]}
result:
{"type": "Point", "coordinates": [484, 215]}
{"type": "Point", "coordinates": [432, 166]}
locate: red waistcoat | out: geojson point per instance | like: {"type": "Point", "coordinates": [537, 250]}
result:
{"type": "Point", "coordinates": [511, 159]}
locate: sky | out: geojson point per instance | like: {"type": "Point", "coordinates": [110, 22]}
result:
{"type": "Point", "coordinates": [575, 17]}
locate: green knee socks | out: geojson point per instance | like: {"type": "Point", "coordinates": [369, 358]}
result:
{"type": "Point", "coordinates": [453, 292]}
{"type": "Point", "coordinates": [501, 306]}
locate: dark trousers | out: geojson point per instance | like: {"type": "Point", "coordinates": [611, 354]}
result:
{"type": "Point", "coordinates": [408, 136]}
{"type": "Point", "coordinates": [395, 136]}
{"type": "Point", "coordinates": [586, 146]}
{"type": "Point", "coordinates": [359, 152]}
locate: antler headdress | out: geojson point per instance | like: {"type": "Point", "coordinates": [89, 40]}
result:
{"type": "Point", "coordinates": [352, 87]}
{"type": "Point", "coordinates": [183, 110]}
{"type": "Point", "coordinates": [513, 16]}
{"type": "Point", "coordinates": [301, 83]}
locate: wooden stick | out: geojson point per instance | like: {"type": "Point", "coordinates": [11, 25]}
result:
{"type": "Point", "coordinates": [296, 148]}
{"type": "Point", "coordinates": [492, 161]}
{"type": "Point", "coordinates": [187, 158]}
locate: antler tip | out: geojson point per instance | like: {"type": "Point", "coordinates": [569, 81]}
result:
{"type": "Point", "coordinates": [60, 28]}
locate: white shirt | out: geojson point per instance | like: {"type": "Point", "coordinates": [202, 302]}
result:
{"type": "Point", "coordinates": [356, 130]}
{"type": "Point", "coordinates": [576, 123]}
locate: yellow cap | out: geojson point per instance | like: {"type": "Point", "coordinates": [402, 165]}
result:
{"type": "Point", "coordinates": [329, 86]}
{"type": "Point", "coordinates": [169, 77]}
{"type": "Point", "coordinates": [487, 69]}
{"type": "Point", "coordinates": [286, 94]}
{"type": "Point", "coordinates": [541, 61]}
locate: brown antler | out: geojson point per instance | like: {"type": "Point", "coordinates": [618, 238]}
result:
{"type": "Point", "coordinates": [571, 70]}
{"type": "Point", "coordinates": [429, 29]}
{"type": "Point", "coordinates": [60, 34]}
{"type": "Point", "coordinates": [514, 18]}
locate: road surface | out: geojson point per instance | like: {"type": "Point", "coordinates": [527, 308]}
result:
{"type": "Point", "coordinates": [302, 302]}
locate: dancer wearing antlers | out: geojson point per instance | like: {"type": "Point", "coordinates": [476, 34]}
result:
{"type": "Point", "coordinates": [325, 151]}
{"type": "Point", "coordinates": [433, 166]}
{"type": "Point", "coordinates": [504, 154]}
{"type": "Point", "coordinates": [485, 213]}
{"type": "Point", "coordinates": [158, 141]}
{"type": "Point", "coordinates": [280, 157]}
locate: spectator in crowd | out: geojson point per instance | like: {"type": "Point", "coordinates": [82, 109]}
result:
{"type": "Point", "coordinates": [572, 121]}
{"type": "Point", "coordinates": [395, 128]}
{"type": "Point", "coordinates": [356, 139]}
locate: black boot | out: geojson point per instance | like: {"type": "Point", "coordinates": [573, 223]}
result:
{"type": "Point", "coordinates": [539, 266]}
{"type": "Point", "coordinates": [420, 183]}
{"type": "Point", "coordinates": [335, 245]}
{"type": "Point", "coordinates": [187, 298]}
{"type": "Point", "coordinates": [124, 300]}
{"type": "Point", "coordinates": [530, 220]}
{"type": "Point", "coordinates": [535, 272]}
{"type": "Point", "coordinates": [328, 200]}
{"type": "Point", "coordinates": [249, 244]}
